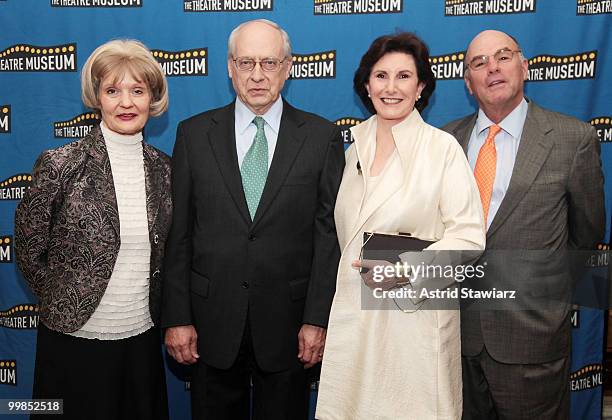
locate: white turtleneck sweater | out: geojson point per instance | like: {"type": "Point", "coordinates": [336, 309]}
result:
{"type": "Point", "coordinates": [124, 309]}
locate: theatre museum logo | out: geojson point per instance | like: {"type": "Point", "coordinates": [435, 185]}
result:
{"type": "Point", "coordinates": [593, 7]}
{"type": "Point", "coordinates": [487, 7]}
{"type": "Point", "coordinates": [543, 68]}
{"type": "Point", "coordinates": [8, 372]}
{"type": "Point", "coordinates": [6, 249]}
{"type": "Point", "coordinates": [603, 126]}
{"type": "Point", "coordinates": [448, 66]}
{"type": "Point", "coordinates": [587, 377]}
{"type": "Point", "coordinates": [76, 127]}
{"type": "Point", "coordinates": [183, 63]}
{"type": "Point", "coordinates": [20, 317]}
{"type": "Point", "coordinates": [345, 124]}
{"type": "Point", "coordinates": [228, 5]}
{"type": "Point", "coordinates": [96, 3]}
{"type": "Point", "coordinates": [32, 58]}
{"type": "Point", "coordinates": [14, 187]}
{"type": "Point", "coordinates": [5, 119]}
{"type": "Point", "coordinates": [319, 65]}
{"type": "Point", "coordinates": [357, 7]}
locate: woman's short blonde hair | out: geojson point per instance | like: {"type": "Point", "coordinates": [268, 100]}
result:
{"type": "Point", "coordinates": [117, 58]}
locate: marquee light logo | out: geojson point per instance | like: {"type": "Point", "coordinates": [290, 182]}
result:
{"type": "Point", "coordinates": [6, 249]}
{"type": "Point", "coordinates": [32, 58]}
{"type": "Point", "coordinates": [8, 372]}
{"type": "Point", "coordinates": [487, 7]}
{"type": "Point", "coordinates": [603, 126]}
{"type": "Point", "coordinates": [345, 124]}
{"type": "Point", "coordinates": [593, 7]}
{"type": "Point", "coordinates": [448, 66]}
{"type": "Point", "coordinates": [96, 3]}
{"type": "Point", "coordinates": [14, 187]}
{"type": "Point", "coordinates": [183, 63]}
{"type": "Point", "coordinates": [228, 5]}
{"type": "Point", "coordinates": [588, 377]}
{"type": "Point", "coordinates": [357, 7]}
{"type": "Point", "coordinates": [76, 127]}
{"type": "Point", "coordinates": [319, 65]}
{"type": "Point", "coordinates": [544, 68]}
{"type": "Point", "coordinates": [20, 317]}
{"type": "Point", "coordinates": [5, 119]}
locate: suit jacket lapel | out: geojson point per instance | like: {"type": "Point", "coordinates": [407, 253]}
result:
{"type": "Point", "coordinates": [290, 141]}
{"type": "Point", "coordinates": [364, 134]}
{"type": "Point", "coordinates": [100, 169]}
{"type": "Point", "coordinates": [531, 155]}
{"type": "Point", "coordinates": [464, 131]}
{"type": "Point", "coordinates": [153, 184]}
{"type": "Point", "coordinates": [222, 139]}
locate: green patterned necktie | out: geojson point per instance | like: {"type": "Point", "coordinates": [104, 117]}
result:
{"type": "Point", "coordinates": [254, 169]}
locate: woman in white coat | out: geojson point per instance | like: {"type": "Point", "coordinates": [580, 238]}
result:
{"type": "Point", "coordinates": [401, 175]}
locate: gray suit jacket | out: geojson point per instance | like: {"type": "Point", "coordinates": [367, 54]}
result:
{"type": "Point", "coordinates": [554, 202]}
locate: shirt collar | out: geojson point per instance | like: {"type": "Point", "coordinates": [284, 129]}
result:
{"type": "Point", "coordinates": [512, 124]}
{"type": "Point", "coordinates": [244, 116]}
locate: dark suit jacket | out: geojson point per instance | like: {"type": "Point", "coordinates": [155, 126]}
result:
{"type": "Point", "coordinates": [554, 202]}
{"type": "Point", "coordinates": [279, 268]}
{"type": "Point", "coordinates": [67, 229]}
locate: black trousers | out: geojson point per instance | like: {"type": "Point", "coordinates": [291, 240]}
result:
{"type": "Point", "coordinates": [102, 379]}
{"type": "Point", "coordinates": [493, 390]}
{"type": "Point", "coordinates": [225, 394]}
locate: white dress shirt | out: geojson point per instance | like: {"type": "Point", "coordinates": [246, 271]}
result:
{"type": "Point", "coordinates": [245, 129]}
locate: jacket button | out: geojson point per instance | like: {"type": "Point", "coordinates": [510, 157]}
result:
{"type": "Point", "coordinates": [252, 238]}
{"type": "Point", "coordinates": [156, 274]}
{"type": "Point", "coordinates": [156, 239]}
{"type": "Point", "coordinates": [245, 284]}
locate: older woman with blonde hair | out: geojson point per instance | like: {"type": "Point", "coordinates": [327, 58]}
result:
{"type": "Point", "coordinates": [89, 240]}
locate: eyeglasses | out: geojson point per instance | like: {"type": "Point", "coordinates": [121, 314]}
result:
{"type": "Point", "coordinates": [502, 56]}
{"type": "Point", "coordinates": [267, 64]}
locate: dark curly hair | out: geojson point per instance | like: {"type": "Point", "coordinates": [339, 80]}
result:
{"type": "Point", "coordinates": [404, 42]}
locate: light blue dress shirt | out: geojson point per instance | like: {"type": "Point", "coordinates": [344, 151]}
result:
{"type": "Point", "coordinates": [506, 144]}
{"type": "Point", "coordinates": [245, 129]}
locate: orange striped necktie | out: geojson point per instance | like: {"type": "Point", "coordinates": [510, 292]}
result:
{"type": "Point", "coordinates": [485, 168]}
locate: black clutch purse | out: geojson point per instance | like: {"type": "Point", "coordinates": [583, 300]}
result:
{"type": "Point", "coordinates": [382, 246]}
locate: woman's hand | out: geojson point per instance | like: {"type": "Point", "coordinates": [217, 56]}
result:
{"type": "Point", "coordinates": [374, 274]}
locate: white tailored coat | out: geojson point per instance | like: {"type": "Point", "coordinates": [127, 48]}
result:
{"type": "Point", "coordinates": [384, 363]}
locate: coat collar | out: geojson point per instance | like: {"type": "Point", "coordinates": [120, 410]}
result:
{"type": "Point", "coordinates": [223, 143]}
{"type": "Point", "coordinates": [100, 169]}
{"type": "Point", "coordinates": [155, 185]}
{"type": "Point", "coordinates": [291, 137]}
{"type": "Point", "coordinates": [221, 138]}
{"type": "Point", "coordinates": [99, 163]}
{"type": "Point", "coordinates": [533, 150]}
{"type": "Point", "coordinates": [404, 135]}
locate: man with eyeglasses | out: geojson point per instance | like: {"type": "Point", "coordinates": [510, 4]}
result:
{"type": "Point", "coordinates": [252, 254]}
{"type": "Point", "coordinates": [541, 186]}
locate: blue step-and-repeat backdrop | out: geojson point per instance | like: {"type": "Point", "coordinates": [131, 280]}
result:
{"type": "Point", "coordinates": [44, 43]}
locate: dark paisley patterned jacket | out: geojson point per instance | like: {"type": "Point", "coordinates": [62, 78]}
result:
{"type": "Point", "coordinates": [67, 229]}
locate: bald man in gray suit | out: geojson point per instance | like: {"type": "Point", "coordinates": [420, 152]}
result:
{"type": "Point", "coordinates": [545, 193]}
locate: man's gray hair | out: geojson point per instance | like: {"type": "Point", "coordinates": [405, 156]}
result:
{"type": "Point", "coordinates": [231, 42]}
